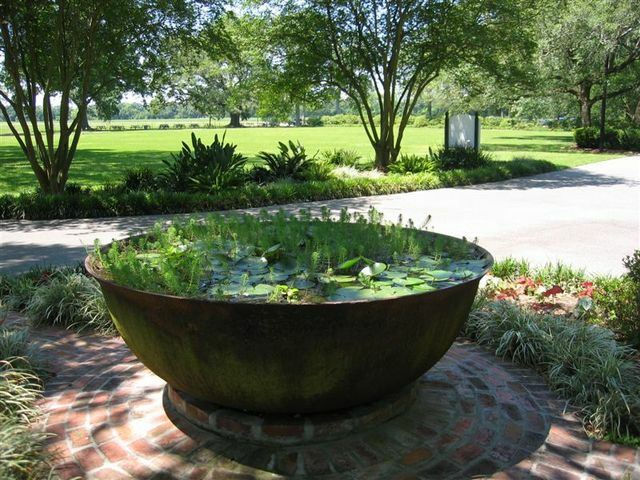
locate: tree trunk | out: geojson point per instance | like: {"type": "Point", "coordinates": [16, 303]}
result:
{"type": "Point", "coordinates": [234, 122]}
{"type": "Point", "coordinates": [85, 122]}
{"type": "Point", "coordinates": [636, 115]}
{"type": "Point", "coordinates": [386, 154]}
{"type": "Point", "coordinates": [296, 119]}
{"type": "Point", "coordinates": [429, 109]}
{"type": "Point", "coordinates": [584, 98]}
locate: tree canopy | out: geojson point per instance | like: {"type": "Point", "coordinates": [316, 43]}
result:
{"type": "Point", "coordinates": [77, 52]}
{"type": "Point", "coordinates": [395, 49]}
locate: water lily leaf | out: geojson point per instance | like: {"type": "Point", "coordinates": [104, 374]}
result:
{"type": "Point", "coordinates": [348, 263]}
{"type": "Point", "coordinates": [343, 278]}
{"type": "Point", "coordinates": [252, 263]}
{"type": "Point", "coordinates": [276, 277]}
{"type": "Point", "coordinates": [426, 261]}
{"type": "Point", "coordinates": [232, 289]}
{"type": "Point", "coordinates": [272, 249]}
{"type": "Point", "coordinates": [394, 273]}
{"type": "Point", "coordinates": [286, 265]}
{"type": "Point", "coordinates": [260, 290]}
{"type": "Point", "coordinates": [465, 274]}
{"type": "Point", "coordinates": [423, 287]}
{"type": "Point", "coordinates": [352, 293]}
{"type": "Point", "coordinates": [303, 284]}
{"type": "Point", "coordinates": [382, 283]}
{"type": "Point", "coordinates": [408, 282]}
{"type": "Point", "coordinates": [373, 270]}
{"type": "Point", "coordinates": [439, 275]}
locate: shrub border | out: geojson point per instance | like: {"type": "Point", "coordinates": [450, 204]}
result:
{"type": "Point", "coordinates": [102, 203]}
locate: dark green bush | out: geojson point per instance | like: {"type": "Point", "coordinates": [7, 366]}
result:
{"type": "Point", "coordinates": [629, 139]}
{"type": "Point", "coordinates": [617, 301]}
{"type": "Point", "coordinates": [458, 158]}
{"type": "Point", "coordinates": [589, 137]}
{"type": "Point", "coordinates": [318, 172]}
{"type": "Point", "coordinates": [342, 157]}
{"type": "Point", "coordinates": [412, 164]}
{"type": "Point", "coordinates": [291, 161]}
{"type": "Point", "coordinates": [616, 306]}
{"type": "Point", "coordinates": [204, 168]}
{"type": "Point", "coordinates": [110, 201]}
{"type": "Point", "coordinates": [139, 179]}
{"type": "Point", "coordinates": [586, 137]}
{"type": "Point", "coordinates": [340, 119]}
{"type": "Point", "coordinates": [163, 126]}
{"type": "Point", "coordinates": [75, 189]}
{"type": "Point", "coordinates": [314, 122]}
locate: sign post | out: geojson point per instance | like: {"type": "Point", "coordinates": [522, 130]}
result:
{"type": "Point", "coordinates": [462, 131]}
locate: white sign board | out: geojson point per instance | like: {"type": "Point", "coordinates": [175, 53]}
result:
{"type": "Point", "coordinates": [462, 131]}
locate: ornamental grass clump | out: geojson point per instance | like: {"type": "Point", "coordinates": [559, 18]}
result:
{"type": "Point", "coordinates": [583, 363]}
{"type": "Point", "coordinates": [287, 258]}
{"type": "Point", "coordinates": [21, 451]}
{"type": "Point", "coordinates": [70, 300]}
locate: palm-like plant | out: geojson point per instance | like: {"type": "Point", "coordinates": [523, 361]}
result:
{"type": "Point", "coordinates": [291, 161]}
{"type": "Point", "coordinates": [205, 168]}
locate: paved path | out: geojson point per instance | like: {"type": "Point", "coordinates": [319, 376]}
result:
{"type": "Point", "coordinates": [588, 217]}
{"type": "Point", "coordinates": [475, 417]}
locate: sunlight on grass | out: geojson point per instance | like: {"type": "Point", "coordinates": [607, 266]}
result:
{"type": "Point", "coordinates": [103, 156]}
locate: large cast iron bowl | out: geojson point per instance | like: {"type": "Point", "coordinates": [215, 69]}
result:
{"type": "Point", "coordinates": [288, 358]}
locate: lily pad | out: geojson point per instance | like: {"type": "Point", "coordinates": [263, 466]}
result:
{"type": "Point", "coordinates": [262, 289]}
{"type": "Point", "coordinates": [303, 284]}
{"type": "Point", "coordinates": [408, 282]}
{"type": "Point", "coordinates": [373, 270]}
{"type": "Point", "coordinates": [423, 288]}
{"type": "Point", "coordinates": [439, 275]}
{"type": "Point", "coordinates": [343, 278]}
{"type": "Point", "coordinates": [352, 293]}
{"type": "Point", "coordinates": [252, 263]}
{"type": "Point", "coordinates": [394, 273]}
{"type": "Point", "coordinates": [461, 274]}
{"type": "Point", "coordinates": [426, 261]}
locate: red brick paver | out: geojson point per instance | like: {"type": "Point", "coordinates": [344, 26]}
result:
{"type": "Point", "coordinates": [475, 417]}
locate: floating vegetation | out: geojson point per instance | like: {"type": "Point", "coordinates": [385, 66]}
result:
{"type": "Point", "coordinates": [286, 258]}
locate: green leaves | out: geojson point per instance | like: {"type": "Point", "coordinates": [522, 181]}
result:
{"type": "Point", "coordinates": [349, 263]}
{"type": "Point", "coordinates": [373, 270]}
{"type": "Point", "coordinates": [280, 258]}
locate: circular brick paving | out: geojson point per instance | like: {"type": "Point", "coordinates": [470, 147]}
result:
{"type": "Point", "coordinates": [474, 416]}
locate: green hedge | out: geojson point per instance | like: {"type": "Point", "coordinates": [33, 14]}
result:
{"type": "Point", "coordinates": [623, 139]}
{"type": "Point", "coordinates": [107, 203]}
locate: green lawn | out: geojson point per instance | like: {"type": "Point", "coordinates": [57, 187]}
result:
{"type": "Point", "coordinates": [103, 156]}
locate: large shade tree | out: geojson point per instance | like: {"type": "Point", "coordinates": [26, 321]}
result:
{"type": "Point", "coordinates": [217, 71]}
{"type": "Point", "coordinates": [75, 52]}
{"type": "Point", "coordinates": [588, 49]}
{"type": "Point", "coordinates": [383, 53]}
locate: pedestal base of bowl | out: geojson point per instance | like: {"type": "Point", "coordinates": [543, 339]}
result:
{"type": "Point", "coordinates": [284, 429]}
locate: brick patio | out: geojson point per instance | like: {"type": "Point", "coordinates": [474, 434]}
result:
{"type": "Point", "coordinates": [475, 417]}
